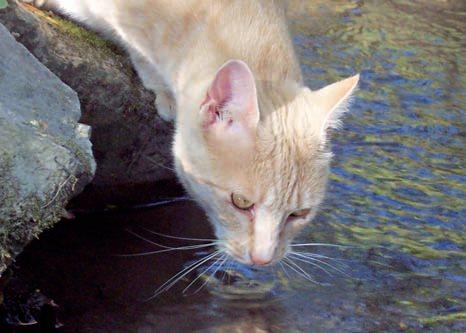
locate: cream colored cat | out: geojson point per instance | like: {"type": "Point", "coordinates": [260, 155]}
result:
{"type": "Point", "coordinates": [250, 143]}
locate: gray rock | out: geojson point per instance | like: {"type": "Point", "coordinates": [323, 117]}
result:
{"type": "Point", "coordinates": [131, 143]}
{"type": "Point", "coordinates": [45, 154]}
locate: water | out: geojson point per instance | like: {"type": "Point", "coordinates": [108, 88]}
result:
{"type": "Point", "coordinates": [397, 194]}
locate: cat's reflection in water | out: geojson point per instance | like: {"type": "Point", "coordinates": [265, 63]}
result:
{"type": "Point", "coordinates": [218, 317]}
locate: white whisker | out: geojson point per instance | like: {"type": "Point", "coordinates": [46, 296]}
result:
{"type": "Point", "coordinates": [178, 276]}
{"type": "Point", "coordinates": [311, 263]}
{"type": "Point", "coordinates": [201, 274]}
{"type": "Point", "coordinates": [301, 272]}
{"type": "Point", "coordinates": [183, 248]}
{"type": "Point", "coordinates": [315, 255]}
{"type": "Point", "coordinates": [160, 203]}
{"type": "Point", "coordinates": [228, 265]}
{"type": "Point", "coordinates": [180, 238]}
{"type": "Point", "coordinates": [148, 240]}
{"type": "Point", "coordinates": [283, 268]}
{"type": "Point", "coordinates": [321, 244]}
{"type": "Point", "coordinates": [224, 257]}
{"type": "Point", "coordinates": [154, 162]}
{"type": "Point", "coordinates": [320, 261]}
{"type": "Point", "coordinates": [164, 247]}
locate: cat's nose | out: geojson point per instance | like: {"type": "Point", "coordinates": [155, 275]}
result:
{"type": "Point", "coordinates": [259, 260]}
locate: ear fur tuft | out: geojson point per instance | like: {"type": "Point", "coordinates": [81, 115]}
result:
{"type": "Point", "coordinates": [232, 97]}
{"type": "Point", "coordinates": [334, 100]}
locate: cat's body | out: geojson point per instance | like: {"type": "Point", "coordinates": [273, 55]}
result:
{"type": "Point", "coordinates": [250, 141]}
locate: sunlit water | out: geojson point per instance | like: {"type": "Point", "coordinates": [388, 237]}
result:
{"type": "Point", "coordinates": [397, 197]}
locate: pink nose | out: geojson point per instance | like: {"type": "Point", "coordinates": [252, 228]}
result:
{"type": "Point", "coordinates": [258, 260]}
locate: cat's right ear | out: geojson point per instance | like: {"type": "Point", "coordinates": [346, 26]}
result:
{"type": "Point", "coordinates": [230, 109]}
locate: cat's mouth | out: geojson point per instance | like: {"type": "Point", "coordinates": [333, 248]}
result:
{"type": "Point", "coordinates": [237, 254]}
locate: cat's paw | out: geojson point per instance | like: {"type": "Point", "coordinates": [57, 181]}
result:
{"type": "Point", "coordinates": [165, 105]}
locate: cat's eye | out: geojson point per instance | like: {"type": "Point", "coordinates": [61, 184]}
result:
{"type": "Point", "coordinates": [297, 214]}
{"type": "Point", "coordinates": [241, 202]}
{"type": "Point", "coordinates": [300, 213]}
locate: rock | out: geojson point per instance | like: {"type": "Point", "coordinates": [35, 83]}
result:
{"type": "Point", "coordinates": [45, 154]}
{"type": "Point", "coordinates": [131, 143]}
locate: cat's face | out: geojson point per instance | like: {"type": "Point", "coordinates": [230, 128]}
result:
{"type": "Point", "coordinates": [261, 163]}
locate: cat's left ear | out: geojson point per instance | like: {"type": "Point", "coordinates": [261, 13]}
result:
{"type": "Point", "coordinates": [230, 108]}
{"type": "Point", "coordinates": [332, 100]}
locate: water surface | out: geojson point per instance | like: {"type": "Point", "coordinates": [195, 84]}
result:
{"type": "Point", "coordinates": [397, 195]}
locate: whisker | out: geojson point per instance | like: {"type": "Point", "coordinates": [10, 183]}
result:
{"type": "Point", "coordinates": [184, 248]}
{"type": "Point", "coordinates": [154, 162]}
{"type": "Point", "coordinates": [230, 269]}
{"type": "Point", "coordinates": [321, 244]}
{"type": "Point", "coordinates": [199, 275]}
{"type": "Point", "coordinates": [283, 268]}
{"type": "Point", "coordinates": [224, 257]}
{"type": "Point", "coordinates": [292, 268]}
{"type": "Point", "coordinates": [163, 202]}
{"type": "Point", "coordinates": [301, 272]}
{"type": "Point", "coordinates": [148, 240]}
{"type": "Point", "coordinates": [215, 262]}
{"type": "Point", "coordinates": [180, 238]}
{"type": "Point", "coordinates": [228, 265]}
{"type": "Point", "coordinates": [164, 247]}
{"type": "Point", "coordinates": [322, 262]}
{"type": "Point", "coordinates": [312, 256]}
{"type": "Point", "coordinates": [178, 276]}
{"type": "Point", "coordinates": [311, 263]}
{"type": "Point", "coordinates": [316, 255]}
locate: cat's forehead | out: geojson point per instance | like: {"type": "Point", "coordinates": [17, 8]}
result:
{"type": "Point", "coordinates": [294, 186]}
{"type": "Point", "coordinates": [289, 171]}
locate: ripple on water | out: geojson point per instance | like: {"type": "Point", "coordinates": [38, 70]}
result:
{"type": "Point", "coordinates": [397, 194]}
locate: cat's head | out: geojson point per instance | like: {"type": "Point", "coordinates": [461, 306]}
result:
{"type": "Point", "coordinates": [256, 158]}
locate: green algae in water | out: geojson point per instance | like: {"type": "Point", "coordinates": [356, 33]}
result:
{"type": "Point", "coordinates": [397, 192]}
{"type": "Point", "coordinates": [444, 318]}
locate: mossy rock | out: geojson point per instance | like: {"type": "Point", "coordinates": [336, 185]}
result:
{"type": "Point", "coordinates": [45, 154]}
{"type": "Point", "coordinates": [127, 133]}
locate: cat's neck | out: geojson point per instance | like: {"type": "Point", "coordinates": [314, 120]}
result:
{"type": "Point", "coordinates": [265, 46]}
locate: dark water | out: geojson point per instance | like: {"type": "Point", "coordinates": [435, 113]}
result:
{"type": "Point", "coordinates": [397, 196]}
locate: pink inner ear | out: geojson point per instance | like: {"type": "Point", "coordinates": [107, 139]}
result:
{"type": "Point", "coordinates": [221, 90]}
{"type": "Point", "coordinates": [234, 91]}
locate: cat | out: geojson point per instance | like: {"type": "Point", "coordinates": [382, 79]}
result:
{"type": "Point", "coordinates": [251, 142]}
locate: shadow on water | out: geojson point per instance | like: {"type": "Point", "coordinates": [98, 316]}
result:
{"type": "Point", "coordinates": [77, 264]}
{"type": "Point", "coordinates": [397, 196]}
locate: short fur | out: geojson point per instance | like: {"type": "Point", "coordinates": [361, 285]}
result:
{"type": "Point", "coordinates": [226, 72]}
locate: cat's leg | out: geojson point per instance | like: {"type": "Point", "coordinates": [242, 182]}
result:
{"type": "Point", "coordinates": [153, 80]}
{"type": "Point", "coordinates": [36, 3]}
{"type": "Point", "coordinates": [80, 10]}
{"type": "Point", "coordinates": [83, 11]}
{"type": "Point", "coordinates": [52, 5]}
